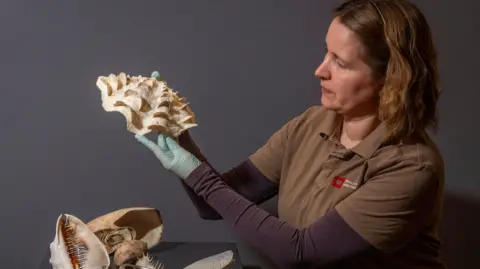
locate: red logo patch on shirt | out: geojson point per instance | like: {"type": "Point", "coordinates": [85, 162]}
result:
{"type": "Point", "coordinates": [341, 182]}
{"type": "Point", "coordinates": [338, 181]}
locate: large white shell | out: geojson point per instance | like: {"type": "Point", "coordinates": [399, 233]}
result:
{"type": "Point", "coordinates": [147, 104]}
{"type": "Point", "coordinates": [133, 223]}
{"type": "Point", "coordinates": [86, 250]}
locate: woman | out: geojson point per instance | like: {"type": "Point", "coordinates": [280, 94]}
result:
{"type": "Point", "coordinates": [360, 183]}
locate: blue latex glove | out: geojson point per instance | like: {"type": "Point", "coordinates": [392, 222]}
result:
{"type": "Point", "coordinates": [172, 156]}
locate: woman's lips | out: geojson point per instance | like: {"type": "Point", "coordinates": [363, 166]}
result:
{"type": "Point", "coordinates": [326, 91]}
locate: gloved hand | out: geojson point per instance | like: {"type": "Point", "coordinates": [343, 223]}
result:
{"type": "Point", "coordinates": [172, 156]}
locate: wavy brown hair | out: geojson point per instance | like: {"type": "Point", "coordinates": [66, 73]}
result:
{"type": "Point", "coordinates": [400, 50]}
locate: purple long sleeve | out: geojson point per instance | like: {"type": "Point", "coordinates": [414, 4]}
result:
{"type": "Point", "coordinates": [245, 179]}
{"type": "Point", "coordinates": [326, 241]}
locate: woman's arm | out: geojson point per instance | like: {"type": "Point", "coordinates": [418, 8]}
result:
{"type": "Point", "coordinates": [331, 238]}
{"type": "Point", "coordinates": [256, 179]}
{"type": "Point", "coordinates": [245, 179]}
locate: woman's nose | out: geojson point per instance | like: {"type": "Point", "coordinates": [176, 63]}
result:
{"type": "Point", "coordinates": [322, 71]}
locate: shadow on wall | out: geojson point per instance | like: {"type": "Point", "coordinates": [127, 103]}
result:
{"type": "Point", "coordinates": [460, 231]}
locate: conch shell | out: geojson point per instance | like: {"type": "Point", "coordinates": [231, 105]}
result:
{"type": "Point", "coordinates": [76, 247]}
{"type": "Point", "coordinates": [132, 230]}
{"type": "Point", "coordinates": [147, 104]}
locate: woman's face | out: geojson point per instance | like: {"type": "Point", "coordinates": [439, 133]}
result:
{"type": "Point", "coordinates": [348, 86]}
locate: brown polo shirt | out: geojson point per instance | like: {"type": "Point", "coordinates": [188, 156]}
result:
{"type": "Point", "coordinates": [382, 190]}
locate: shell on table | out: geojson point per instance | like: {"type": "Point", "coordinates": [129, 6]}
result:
{"type": "Point", "coordinates": [129, 251]}
{"type": "Point", "coordinates": [143, 224]}
{"type": "Point", "coordinates": [75, 246]}
{"type": "Point", "coordinates": [218, 261]}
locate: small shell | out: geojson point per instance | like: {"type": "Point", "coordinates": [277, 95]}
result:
{"type": "Point", "coordinates": [113, 237]}
{"type": "Point", "coordinates": [148, 262]}
{"type": "Point", "coordinates": [129, 250]}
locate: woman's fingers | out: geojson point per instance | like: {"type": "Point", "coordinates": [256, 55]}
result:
{"type": "Point", "coordinates": [162, 142]}
{"type": "Point", "coordinates": [171, 143]}
{"type": "Point", "coordinates": [146, 142]}
{"type": "Point", "coordinates": [164, 155]}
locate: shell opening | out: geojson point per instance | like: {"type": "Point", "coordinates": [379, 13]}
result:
{"type": "Point", "coordinates": [76, 249]}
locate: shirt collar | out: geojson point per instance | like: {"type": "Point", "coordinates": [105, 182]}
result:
{"type": "Point", "coordinates": [367, 147]}
{"type": "Point", "coordinates": [330, 127]}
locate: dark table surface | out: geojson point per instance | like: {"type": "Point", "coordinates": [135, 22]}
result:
{"type": "Point", "coordinates": [177, 255]}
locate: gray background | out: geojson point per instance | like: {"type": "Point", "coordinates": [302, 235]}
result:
{"type": "Point", "coordinates": [245, 66]}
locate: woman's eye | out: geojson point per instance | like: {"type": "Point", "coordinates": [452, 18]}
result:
{"type": "Point", "coordinates": [339, 63]}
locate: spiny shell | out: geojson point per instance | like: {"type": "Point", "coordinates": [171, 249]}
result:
{"type": "Point", "coordinates": [147, 104]}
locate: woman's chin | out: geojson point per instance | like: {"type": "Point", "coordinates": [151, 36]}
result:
{"type": "Point", "coordinates": [327, 102]}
